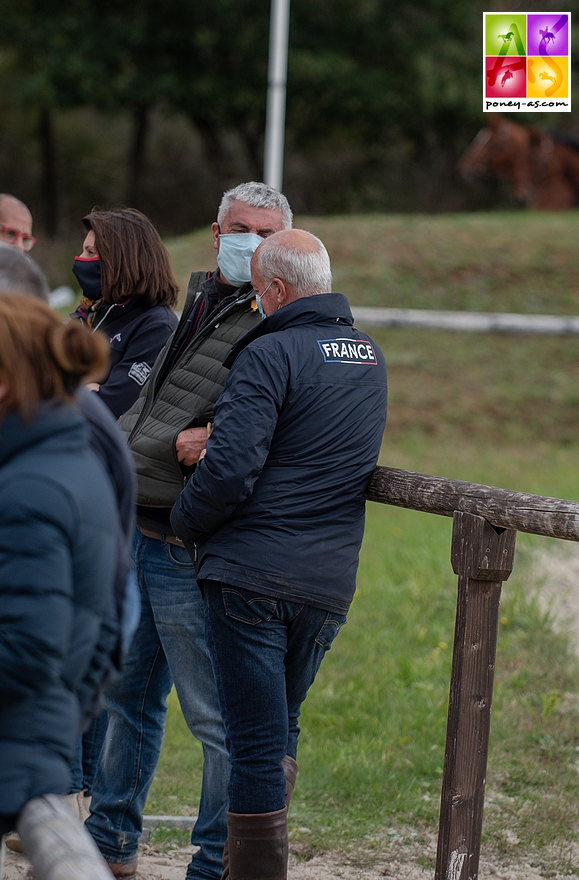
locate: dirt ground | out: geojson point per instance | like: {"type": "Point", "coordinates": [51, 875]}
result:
{"type": "Point", "coordinates": [401, 861]}
{"type": "Point", "coordinates": [402, 854]}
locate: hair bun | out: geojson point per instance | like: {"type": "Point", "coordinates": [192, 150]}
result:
{"type": "Point", "coordinates": [78, 351]}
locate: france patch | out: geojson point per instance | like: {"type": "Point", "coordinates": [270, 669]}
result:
{"type": "Point", "coordinates": [348, 351]}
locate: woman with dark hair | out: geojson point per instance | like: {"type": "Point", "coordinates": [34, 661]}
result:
{"type": "Point", "coordinates": [128, 293]}
{"type": "Point", "coordinates": [58, 619]}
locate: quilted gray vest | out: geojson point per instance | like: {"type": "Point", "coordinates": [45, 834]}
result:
{"type": "Point", "coordinates": [185, 396]}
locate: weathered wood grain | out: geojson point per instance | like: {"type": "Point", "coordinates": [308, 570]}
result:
{"type": "Point", "coordinates": [57, 844]}
{"type": "Point", "coordinates": [486, 520]}
{"type": "Point", "coordinates": [539, 515]}
{"type": "Point", "coordinates": [482, 558]}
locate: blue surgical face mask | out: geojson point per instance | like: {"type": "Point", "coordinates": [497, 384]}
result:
{"type": "Point", "coordinates": [234, 256]}
{"type": "Point", "coordinates": [88, 272]}
{"type": "Point", "coordinates": [259, 306]}
{"type": "Point", "coordinates": [258, 301]}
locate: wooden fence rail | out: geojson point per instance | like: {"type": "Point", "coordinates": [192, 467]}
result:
{"type": "Point", "coordinates": [536, 514]}
{"type": "Point", "coordinates": [485, 524]}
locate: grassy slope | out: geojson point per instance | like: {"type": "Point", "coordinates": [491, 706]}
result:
{"type": "Point", "coordinates": [509, 262]}
{"type": "Point", "coordinates": [487, 408]}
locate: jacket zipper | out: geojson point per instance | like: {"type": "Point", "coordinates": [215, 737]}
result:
{"type": "Point", "coordinates": [202, 334]}
{"type": "Point", "coordinates": [104, 317]}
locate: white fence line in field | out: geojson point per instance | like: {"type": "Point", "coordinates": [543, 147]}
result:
{"type": "Point", "coordinates": [477, 322]}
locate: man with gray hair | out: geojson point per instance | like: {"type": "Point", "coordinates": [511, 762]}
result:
{"type": "Point", "coordinates": [167, 430]}
{"type": "Point", "coordinates": [274, 516]}
{"type": "Point", "coordinates": [20, 274]}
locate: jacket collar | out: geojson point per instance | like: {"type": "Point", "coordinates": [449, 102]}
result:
{"type": "Point", "coordinates": [326, 308]}
{"type": "Point", "coordinates": [17, 435]}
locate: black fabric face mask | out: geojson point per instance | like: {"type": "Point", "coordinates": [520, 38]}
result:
{"type": "Point", "coordinates": [88, 272]}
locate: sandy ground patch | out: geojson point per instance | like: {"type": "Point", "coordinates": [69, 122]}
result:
{"type": "Point", "coordinates": [399, 862]}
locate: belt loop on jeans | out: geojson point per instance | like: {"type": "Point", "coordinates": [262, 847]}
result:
{"type": "Point", "coordinates": [158, 536]}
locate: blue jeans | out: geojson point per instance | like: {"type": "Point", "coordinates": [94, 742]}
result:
{"type": "Point", "coordinates": [169, 645]}
{"type": "Point", "coordinates": [88, 749]}
{"type": "Point", "coordinates": [266, 653]}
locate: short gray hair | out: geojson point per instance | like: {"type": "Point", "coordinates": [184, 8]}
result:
{"type": "Point", "coordinates": [20, 274]}
{"type": "Point", "coordinates": [258, 195]}
{"type": "Point", "coordinates": [307, 271]}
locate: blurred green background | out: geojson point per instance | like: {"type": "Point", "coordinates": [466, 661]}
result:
{"type": "Point", "coordinates": [161, 105]}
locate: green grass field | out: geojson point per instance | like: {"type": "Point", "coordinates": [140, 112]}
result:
{"type": "Point", "coordinates": [497, 409]}
{"type": "Point", "coordinates": [507, 262]}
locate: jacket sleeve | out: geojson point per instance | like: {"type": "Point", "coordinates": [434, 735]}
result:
{"type": "Point", "coordinates": [127, 377]}
{"type": "Point", "coordinates": [36, 587]}
{"type": "Point", "coordinates": [108, 442]}
{"type": "Point", "coordinates": [246, 416]}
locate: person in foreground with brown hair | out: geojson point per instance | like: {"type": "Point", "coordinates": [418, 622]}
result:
{"type": "Point", "coordinates": [57, 602]}
{"type": "Point", "coordinates": [129, 291]}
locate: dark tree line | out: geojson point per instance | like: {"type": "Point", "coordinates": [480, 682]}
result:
{"type": "Point", "coordinates": [371, 83]}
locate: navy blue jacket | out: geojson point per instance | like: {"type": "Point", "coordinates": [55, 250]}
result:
{"type": "Point", "coordinates": [108, 443]}
{"type": "Point", "coordinates": [58, 557]}
{"type": "Point", "coordinates": [277, 504]}
{"type": "Point", "coordinates": [136, 335]}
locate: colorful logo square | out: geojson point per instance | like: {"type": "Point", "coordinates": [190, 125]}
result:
{"type": "Point", "coordinates": [505, 33]}
{"type": "Point", "coordinates": [526, 63]}
{"type": "Point", "coordinates": [506, 77]}
{"type": "Point", "coordinates": [547, 78]}
{"type": "Point", "coordinates": [548, 34]}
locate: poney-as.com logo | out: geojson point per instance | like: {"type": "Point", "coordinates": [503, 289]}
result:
{"type": "Point", "coordinates": [527, 62]}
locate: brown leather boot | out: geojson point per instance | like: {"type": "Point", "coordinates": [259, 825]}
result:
{"type": "Point", "coordinates": [123, 870]}
{"type": "Point", "coordinates": [290, 772]}
{"type": "Point", "coordinates": [258, 845]}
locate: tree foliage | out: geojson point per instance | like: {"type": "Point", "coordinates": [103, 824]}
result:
{"type": "Point", "coordinates": [362, 73]}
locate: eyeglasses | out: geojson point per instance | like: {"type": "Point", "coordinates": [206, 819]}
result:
{"type": "Point", "coordinates": [11, 236]}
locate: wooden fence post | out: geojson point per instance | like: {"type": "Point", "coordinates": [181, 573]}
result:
{"type": "Point", "coordinates": [57, 844]}
{"type": "Point", "coordinates": [482, 557]}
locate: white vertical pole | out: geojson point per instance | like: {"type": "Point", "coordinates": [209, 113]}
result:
{"type": "Point", "coordinates": [276, 94]}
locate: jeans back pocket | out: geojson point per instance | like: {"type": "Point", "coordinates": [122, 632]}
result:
{"type": "Point", "coordinates": [248, 607]}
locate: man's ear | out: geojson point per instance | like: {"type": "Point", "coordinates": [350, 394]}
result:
{"type": "Point", "coordinates": [215, 232]}
{"type": "Point", "coordinates": [284, 293]}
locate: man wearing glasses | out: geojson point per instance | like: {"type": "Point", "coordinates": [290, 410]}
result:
{"type": "Point", "coordinates": [15, 223]}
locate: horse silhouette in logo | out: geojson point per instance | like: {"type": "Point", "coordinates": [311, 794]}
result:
{"type": "Point", "coordinates": [506, 38]}
{"type": "Point", "coordinates": [546, 36]}
{"type": "Point", "coordinates": [545, 75]}
{"type": "Point", "coordinates": [508, 75]}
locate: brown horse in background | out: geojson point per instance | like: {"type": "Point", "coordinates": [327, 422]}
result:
{"type": "Point", "coordinates": [541, 171]}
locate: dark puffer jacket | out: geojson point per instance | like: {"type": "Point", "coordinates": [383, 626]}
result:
{"type": "Point", "coordinates": [277, 505]}
{"type": "Point", "coordinates": [181, 392]}
{"type": "Point", "coordinates": [58, 557]}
